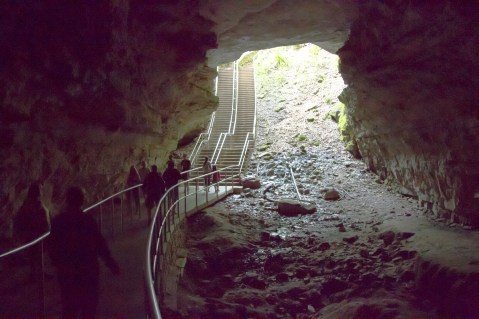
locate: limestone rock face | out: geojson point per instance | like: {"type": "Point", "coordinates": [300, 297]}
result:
{"type": "Point", "coordinates": [412, 99]}
{"type": "Point", "coordinates": [253, 25]}
{"type": "Point", "coordinates": [90, 88]}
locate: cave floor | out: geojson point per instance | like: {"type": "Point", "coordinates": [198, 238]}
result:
{"type": "Point", "coordinates": [359, 254]}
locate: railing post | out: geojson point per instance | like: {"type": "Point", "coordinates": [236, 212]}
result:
{"type": "Point", "coordinates": [121, 214]}
{"type": "Point", "coordinates": [42, 283]}
{"type": "Point", "coordinates": [196, 193]}
{"type": "Point", "coordinates": [101, 217]}
{"type": "Point", "coordinates": [113, 217]}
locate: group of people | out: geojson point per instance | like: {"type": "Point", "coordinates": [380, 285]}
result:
{"type": "Point", "coordinates": [155, 184]}
{"type": "Point", "coordinates": [76, 244]}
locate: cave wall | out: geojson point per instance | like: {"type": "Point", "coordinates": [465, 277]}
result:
{"type": "Point", "coordinates": [89, 88]}
{"type": "Point", "coordinates": [411, 70]}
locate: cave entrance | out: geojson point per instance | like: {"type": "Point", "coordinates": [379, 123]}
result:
{"type": "Point", "coordinates": [246, 258]}
{"type": "Point", "coordinates": [297, 89]}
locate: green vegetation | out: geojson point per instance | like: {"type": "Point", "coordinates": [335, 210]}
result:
{"type": "Point", "coordinates": [279, 108]}
{"type": "Point", "coordinates": [263, 148]}
{"type": "Point", "coordinates": [301, 137]}
{"type": "Point", "coordinates": [307, 61]}
{"type": "Point", "coordinates": [346, 135]}
{"type": "Point", "coordinates": [310, 119]}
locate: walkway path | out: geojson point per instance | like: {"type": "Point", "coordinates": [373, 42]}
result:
{"type": "Point", "coordinates": [120, 297]}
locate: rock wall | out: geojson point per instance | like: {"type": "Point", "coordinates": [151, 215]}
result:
{"type": "Point", "coordinates": [88, 88]}
{"type": "Point", "coordinates": [411, 70]}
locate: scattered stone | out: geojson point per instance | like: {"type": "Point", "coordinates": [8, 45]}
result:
{"type": "Point", "coordinates": [331, 194]}
{"type": "Point", "coordinates": [341, 228]}
{"type": "Point", "coordinates": [324, 246]}
{"type": "Point", "coordinates": [254, 282]}
{"type": "Point", "coordinates": [387, 237]}
{"type": "Point", "coordinates": [351, 240]}
{"type": "Point", "coordinates": [364, 253]}
{"type": "Point", "coordinates": [404, 235]}
{"type": "Point", "coordinates": [291, 207]}
{"type": "Point", "coordinates": [333, 286]}
{"type": "Point", "coordinates": [282, 277]}
{"type": "Point", "coordinates": [251, 182]}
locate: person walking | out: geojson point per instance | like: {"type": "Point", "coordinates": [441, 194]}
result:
{"type": "Point", "coordinates": [216, 177]}
{"type": "Point", "coordinates": [32, 221]}
{"type": "Point", "coordinates": [185, 167]}
{"type": "Point", "coordinates": [207, 169]}
{"type": "Point", "coordinates": [171, 176]}
{"type": "Point", "coordinates": [133, 195]}
{"type": "Point", "coordinates": [154, 189]}
{"type": "Point", "coordinates": [143, 170]}
{"type": "Point", "coordinates": [76, 245]}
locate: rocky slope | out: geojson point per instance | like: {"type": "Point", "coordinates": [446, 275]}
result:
{"type": "Point", "coordinates": [370, 252]}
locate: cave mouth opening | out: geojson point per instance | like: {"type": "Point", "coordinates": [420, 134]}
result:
{"type": "Point", "coordinates": [297, 90]}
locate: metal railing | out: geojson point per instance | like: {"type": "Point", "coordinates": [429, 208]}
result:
{"type": "Point", "coordinates": [167, 215]}
{"type": "Point", "coordinates": [203, 138]}
{"type": "Point", "coordinates": [98, 208]}
{"type": "Point", "coordinates": [219, 147]}
{"type": "Point", "coordinates": [294, 183]}
{"type": "Point", "coordinates": [250, 138]}
{"type": "Point", "coordinates": [234, 99]}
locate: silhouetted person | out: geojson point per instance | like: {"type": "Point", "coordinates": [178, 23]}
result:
{"type": "Point", "coordinates": [207, 169]}
{"type": "Point", "coordinates": [31, 221]}
{"type": "Point", "coordinates": [143, 171]}
{"type": "Point", "coordinates": [185, 167]}
{"type": "Point", "coordinates": [216, 178]}
{"type": "Point", "coordinates": [170, 160]}
{"type": "Point", "coordinates": [154, 189]}
{"type": "Point", "coordinates": [171, 176]}
{"type": "Point", "coordinates": [76, 245]}
{"type": "Point", "coordinates": [134, 194]}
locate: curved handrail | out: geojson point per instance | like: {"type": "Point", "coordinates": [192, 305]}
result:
{"type": "Point", "coordinates": [27, 245]}
{"type": "Point", "coordinates": [111, 197]}
{"type": "Point", "coordinates": [45, 235]}
{"type": "Point", "coordinates": [203, 138]}
{"type": "Point", "coordinates": [157, 236]}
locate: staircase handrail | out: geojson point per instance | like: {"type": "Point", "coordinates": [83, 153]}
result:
{"type": "Point", "coordinates": [245, 149]}
{"type": "Point", "coordinates": [157, 236]}
{"type": "Point", "coordinates": [219, 147]}
{"type": "Point", "coordinates": [234, 100]}
{"type": "Point", "coordinates": [203, 138]}
{"type": "Point", "coordinates": [255, 105]}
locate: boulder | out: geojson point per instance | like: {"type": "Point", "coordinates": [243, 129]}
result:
{"type": "Point", "coordinates": [331, 194]}
{"type": "Point", "coordinates": [291, 207]}
{"type": "Point", "coordinates": [251, 183]}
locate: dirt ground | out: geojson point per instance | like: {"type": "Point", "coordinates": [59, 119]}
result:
{"type": "Point", "coordinates": [357, 256]}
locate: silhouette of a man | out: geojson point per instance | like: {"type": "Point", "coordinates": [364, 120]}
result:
{"type": "Point", "coordinates": [75, 246]}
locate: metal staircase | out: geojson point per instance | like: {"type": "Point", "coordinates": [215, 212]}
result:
{"type": "Point", "coordinates": [231, 139]}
